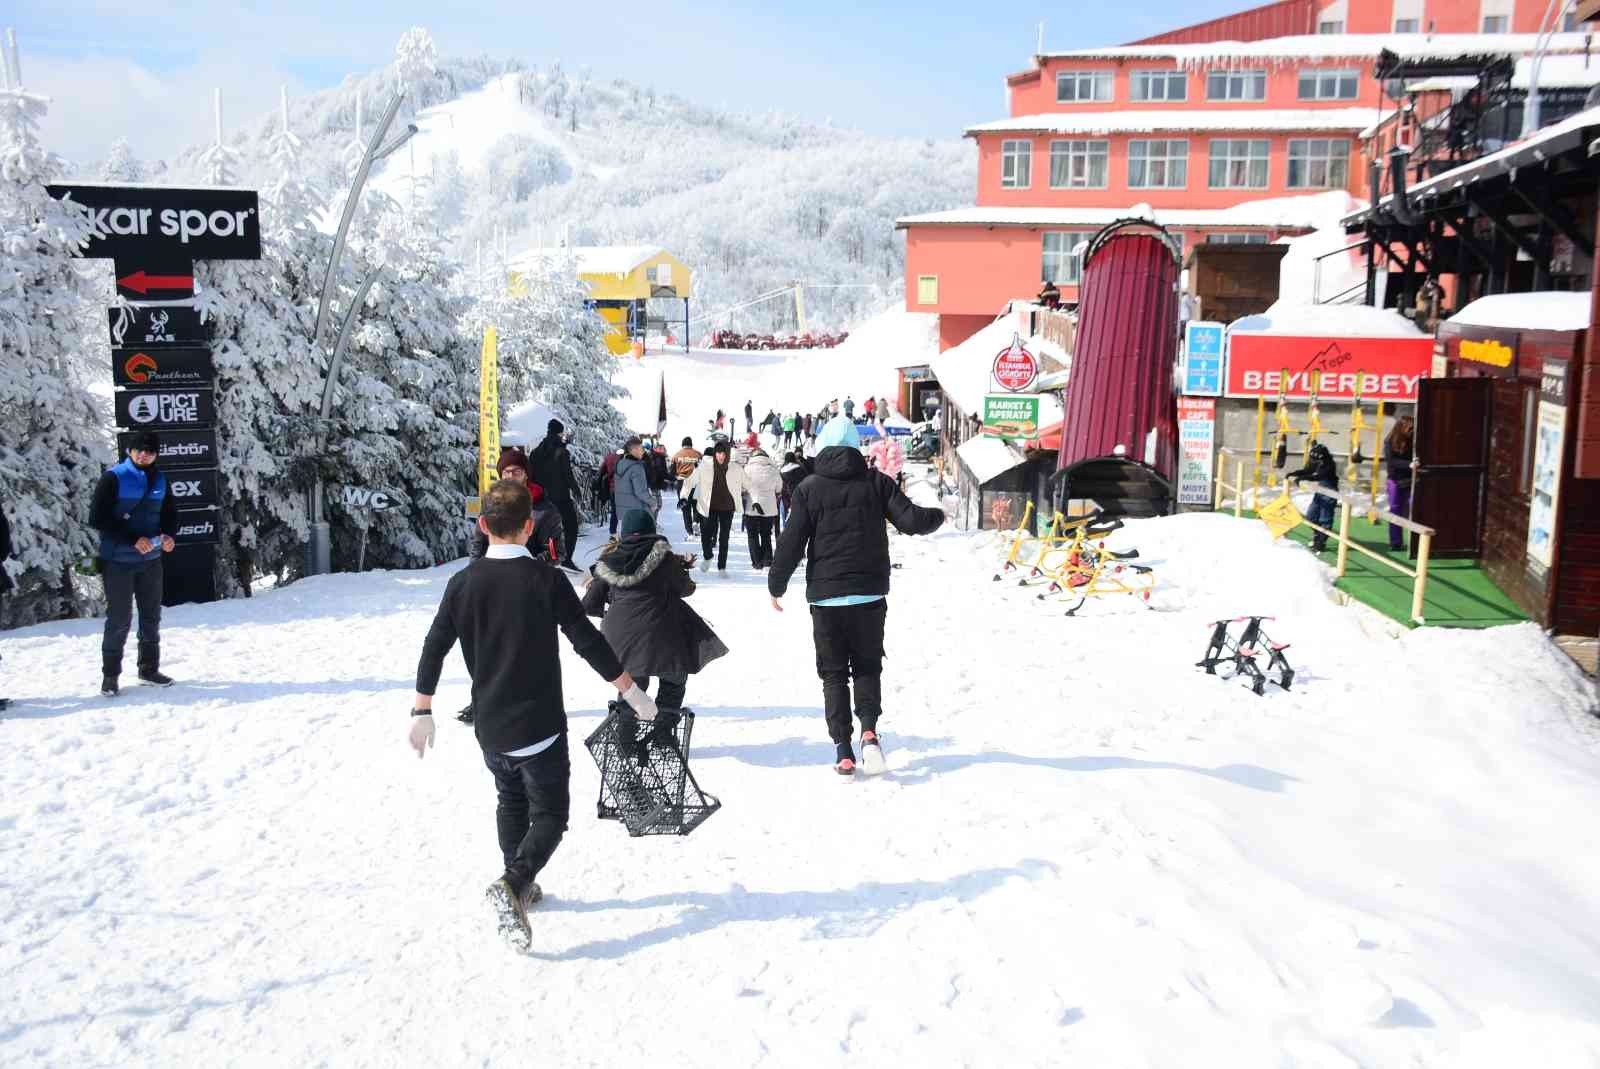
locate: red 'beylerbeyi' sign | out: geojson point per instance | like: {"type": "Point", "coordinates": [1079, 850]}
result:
{"type": "Point", "coordinates": [1014, 367]}
{"type": "Point", "coordinates": [1386, 369]}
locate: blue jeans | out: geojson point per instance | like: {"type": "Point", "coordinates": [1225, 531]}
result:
{"type": "Point", "coordinates": [1321, 514]}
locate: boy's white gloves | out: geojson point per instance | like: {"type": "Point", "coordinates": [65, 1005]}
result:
{"type": "Point", "coordinates": [644, 706]}
{"type": "Point", "coordinates": [421, 733]}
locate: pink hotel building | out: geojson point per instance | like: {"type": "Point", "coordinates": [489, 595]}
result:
{"type": "Point", "coordinates": [1247, 128]}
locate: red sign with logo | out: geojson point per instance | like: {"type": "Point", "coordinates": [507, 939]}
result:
{"type": "Point", "coordinates": [1014, 367]}
{"type": "Point", "coordinates": [1384, 369]}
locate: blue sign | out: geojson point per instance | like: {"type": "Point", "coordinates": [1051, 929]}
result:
{"type": "Point", "coordinates": [1202, 359]}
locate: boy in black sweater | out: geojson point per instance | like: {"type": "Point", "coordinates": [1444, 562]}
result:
{"type": "Point", "coordinates": [505, 608]}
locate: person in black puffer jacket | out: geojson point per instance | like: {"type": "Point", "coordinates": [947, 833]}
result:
{"type": "Point", "coordinates": [1321, 470]}
{"type": "Point", "coordinates": [836, 523]}
{"type": "Point", "coordinates": [637, 587]}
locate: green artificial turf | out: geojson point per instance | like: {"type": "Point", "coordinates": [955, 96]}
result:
{"type": "Point", "coordinates": [1459, 592]}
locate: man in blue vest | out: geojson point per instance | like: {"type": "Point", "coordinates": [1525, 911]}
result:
{"type": "Point", "coordinates": [136, 518]}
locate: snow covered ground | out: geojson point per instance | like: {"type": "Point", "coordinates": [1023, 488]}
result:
{"type": "Point", "coordinates": [788, 380]}
{"type": "Point", "coordinates": [1085, 848]}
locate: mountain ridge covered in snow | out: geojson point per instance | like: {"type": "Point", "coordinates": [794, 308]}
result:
{"type": "Point", "coordinates": [513, 155]}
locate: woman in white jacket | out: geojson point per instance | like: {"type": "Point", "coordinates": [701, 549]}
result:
{"type": "Point", "coordinates": [718, 487]}
{"type": "Point", "coordinates": [764, 483]}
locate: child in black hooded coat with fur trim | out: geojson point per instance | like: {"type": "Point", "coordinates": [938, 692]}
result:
{"type": "Point", "coordinates": [637, 587]}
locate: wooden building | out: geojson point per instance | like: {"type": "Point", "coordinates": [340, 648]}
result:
{"type": "Point", "coordinates": [1505, 470]}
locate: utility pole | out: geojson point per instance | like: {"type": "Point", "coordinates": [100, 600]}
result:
{"type": "Point", "coordinates": [320, 548]}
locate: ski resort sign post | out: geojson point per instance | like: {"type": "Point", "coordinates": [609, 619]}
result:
{"type": "Point", "coordinates": [161, 362]}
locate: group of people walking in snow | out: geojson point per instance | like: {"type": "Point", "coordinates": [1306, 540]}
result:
{"type": "Point", "coordinates": [506, 606]}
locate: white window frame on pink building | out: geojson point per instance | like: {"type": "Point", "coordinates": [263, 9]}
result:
{"type": "Point", "coordinates": [1080, 153]}
{"type": "Point", "coordinates": [1009, 158]}
{"type": "Point", "coordinates": [1335, 153]}
{"type": "Point", "coordinates": [1168, 77]}
{"type": "Point", "coordinates": [1231, 159]}
{"type": "Point", "coordinates": [1096, 77]}
{"type": "Point", "coordinates": [1166, 161]}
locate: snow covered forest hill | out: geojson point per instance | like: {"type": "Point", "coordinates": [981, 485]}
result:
{"type": "Point", "coordinates": [536, 153]}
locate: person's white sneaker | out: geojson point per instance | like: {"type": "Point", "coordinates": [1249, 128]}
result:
{"type": "Point", "coordinates": [705, 566]}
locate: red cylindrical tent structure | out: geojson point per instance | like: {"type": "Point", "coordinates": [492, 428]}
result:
{"type": "Point", "coordinates": [1119, 435]}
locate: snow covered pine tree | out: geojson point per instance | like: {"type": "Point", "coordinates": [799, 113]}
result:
{"type": "Point", "coordinates": [54, 445]}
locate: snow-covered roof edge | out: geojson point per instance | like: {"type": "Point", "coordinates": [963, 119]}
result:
{"type": "Point", "coordinates": [1197, 120]}
{"type": "Point", "coordinates": [1540, 310]}
{"type": "Point", "coordinates": [1344, 46]}
{"type": "Point", "coordinates": [1305, 211]}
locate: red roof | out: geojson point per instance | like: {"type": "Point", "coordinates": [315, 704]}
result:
{"type": "Point", "coordinates": [1287, 18]}
{"type": "Point", "coordinates": [1121, 388]}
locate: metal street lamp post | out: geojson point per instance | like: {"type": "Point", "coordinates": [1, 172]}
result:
{"type": "Point", "coordinates": [319, 550]}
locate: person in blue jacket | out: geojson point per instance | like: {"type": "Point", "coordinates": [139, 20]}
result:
{"type": "Point", "coordinates": [136, 518]}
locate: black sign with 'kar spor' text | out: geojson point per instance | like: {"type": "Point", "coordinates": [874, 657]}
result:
{"type": "Point", "coordinates": [154, 366]}
{"type": "Point", "coordinates": [158, 226]}
{"type": "Point", "coordinates": [171, 408]}
{"type": "Point", "coordinates": [179, 449]}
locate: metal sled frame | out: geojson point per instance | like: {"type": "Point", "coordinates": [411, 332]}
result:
{"type": "Point", "coordinates": [1252, 642]}
{"type": "Point", "coordinates": [645, 780]}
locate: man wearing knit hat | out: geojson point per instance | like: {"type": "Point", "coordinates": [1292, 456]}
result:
{"type": "Point", "coordinates": [137, 519]}
{"type": "Point", "coordinates": [836, 524]}
{"type": "Point", "coordinates": [548, 541]}
{"type": "Point", "coordinates": [551, 467]}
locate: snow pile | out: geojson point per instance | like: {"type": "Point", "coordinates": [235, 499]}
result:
{"type": "Point", "coordinates": [988, 457]}
{"type": "Point", "coordinates": [700, 382]}
{"type": "Point", "coordinates": [1545, 310]}
{"type": "Point", "coordinates": [1134, 122]}
{"type": "Point", "coordinates": [1327, 321]}
{"type": "Point", "coordinates": [1085, 849]}
{"type": "Point", "coordinates": [1314, 270]}
{"type": "Point", "coordinates": [1555, 72]}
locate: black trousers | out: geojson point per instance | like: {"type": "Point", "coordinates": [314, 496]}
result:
{"type": "Point", "coordinates": [714, 531]}
{"type": "Point", "coordinates": [127, 584]}
{"type": "Point", "coordinates": [671, 693]}
{"type": "Point", "coordinates": [759, 532]}
{"type": "Point", "coordinates": [849, 641]}
{"type": "Point", "coordinates": [569, 524]}
{"type": "Point", "coordinates": [530, 815]}
{"type": "Point", "coordinates": [686, 507]}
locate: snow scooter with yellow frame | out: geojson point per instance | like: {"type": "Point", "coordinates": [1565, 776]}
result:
{"type": "Point", "coordinates": [1067, 537]}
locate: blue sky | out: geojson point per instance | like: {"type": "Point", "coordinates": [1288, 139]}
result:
{"type": "Point", "coordinates": [145, 71]}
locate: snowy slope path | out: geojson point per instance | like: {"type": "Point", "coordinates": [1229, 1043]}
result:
{"type": "Point", "coordinates": [1085, 851]}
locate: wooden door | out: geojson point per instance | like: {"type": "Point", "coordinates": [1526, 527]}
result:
{"type": "Point", "coordinates": [1452, 451]}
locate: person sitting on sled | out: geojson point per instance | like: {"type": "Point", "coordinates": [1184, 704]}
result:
{"type": "Point", "coordinates": [836, 524]}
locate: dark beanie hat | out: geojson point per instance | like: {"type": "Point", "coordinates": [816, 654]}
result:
{"type": "Point", "coordinates": [637, 521]}
{"type": "Point", "coordinates": [147, 440]}
{"type": "Point", "coordinates": [512, 455]}
{"type": "Point", "coordinates": [555, 426]}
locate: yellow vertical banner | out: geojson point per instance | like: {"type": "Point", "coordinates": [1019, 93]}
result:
{"type": "Point", "coordinates": [488, 414]}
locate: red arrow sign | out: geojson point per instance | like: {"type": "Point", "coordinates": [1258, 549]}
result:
{"type": "Point", "coordinates": [139, 282]}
